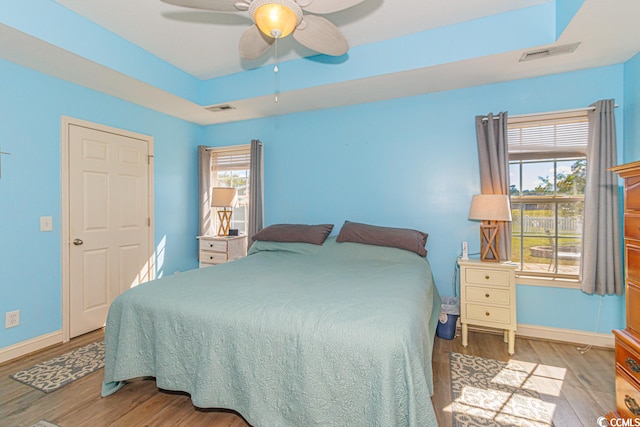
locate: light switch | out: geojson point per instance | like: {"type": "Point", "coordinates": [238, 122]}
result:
{"type": "Point", "coordinates": [46, 223]}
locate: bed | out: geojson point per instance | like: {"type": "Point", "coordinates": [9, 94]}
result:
{"type": "Point", "coordinates": [293, 334]}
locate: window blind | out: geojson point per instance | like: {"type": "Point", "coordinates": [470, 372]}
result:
{"type": "Point", "coordinates": [550, 136]}
{"type": "Point", "coordinates": [230, 158]}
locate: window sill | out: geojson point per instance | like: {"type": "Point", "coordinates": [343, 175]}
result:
{"type": "Point", "coordinates": [553, 282]}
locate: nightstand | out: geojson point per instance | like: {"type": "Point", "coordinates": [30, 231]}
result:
{"type": "Point", "coordinates": [218, 250]}
{"type": "Point", "coordinates": [488, 298]}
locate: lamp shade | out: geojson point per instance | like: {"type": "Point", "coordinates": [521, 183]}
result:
{"type": "Point", "coordinates": [224, 197]}
{"type": "Point", "coordinates": [276, 18]}
{"type": "Point", "coordinates": [490, 207]}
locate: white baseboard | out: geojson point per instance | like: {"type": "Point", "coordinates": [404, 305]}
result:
{"type": "Point", "coordinates": [595, 339]}
{"type": "Point", "coordinates": [25, 347]}
{"type": "Point", "coordinates": [570, 336]}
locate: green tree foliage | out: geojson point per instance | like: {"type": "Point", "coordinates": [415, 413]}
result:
{"type": "Point", "coordinates": [544, 188]}
{"type": "Point", "coordinates": [566, 184]}
{"type": "Point", "coordinates": [573, 183]}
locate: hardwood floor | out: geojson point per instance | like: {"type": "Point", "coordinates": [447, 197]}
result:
{"type": "Point", "coordinates": [583, 391]}
{"type": "Point", "coordinates": [581, 386]}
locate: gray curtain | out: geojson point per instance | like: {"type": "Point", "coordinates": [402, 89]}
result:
{"type": "Point", "coordinates": [204, 191]}
{"type": "Point", "coordinates": [256, 190]}
{"type": "Point", "coordinates": [601, 241]}
{"type": "Point", "coordinates": [493, 155]}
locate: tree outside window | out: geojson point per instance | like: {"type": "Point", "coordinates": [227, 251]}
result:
{"type": "Point", "coordinates": [548, 216]}
{"type": "Point", "coordinates": [547, 177]}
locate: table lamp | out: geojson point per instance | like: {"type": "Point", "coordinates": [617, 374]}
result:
{"type": "Point", "coordinates": [490, 208]}
{"type": "Point", "coordinates": [224, 197]}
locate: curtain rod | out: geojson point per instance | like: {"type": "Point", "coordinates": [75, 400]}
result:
{"type": "Point", "coordinates": [572, 110]}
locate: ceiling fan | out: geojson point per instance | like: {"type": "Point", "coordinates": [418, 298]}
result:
{"type": "Point", "coordinates": [275, 19]}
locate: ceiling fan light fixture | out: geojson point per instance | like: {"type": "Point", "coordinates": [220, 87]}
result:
{"type": "Point", "coordinates": [275, 18]}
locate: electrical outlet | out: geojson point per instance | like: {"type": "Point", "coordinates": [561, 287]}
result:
{"type": "Point", "coordinates": [12, 319]}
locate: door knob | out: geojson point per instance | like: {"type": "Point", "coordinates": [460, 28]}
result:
{"type": "Point", "coordinates": [77, 242]}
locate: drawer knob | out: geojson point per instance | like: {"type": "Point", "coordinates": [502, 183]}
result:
{"type": "Point", "coordinates": [633, 365]}
{"type": "Point", "coordinates": [631, 404]}
{"type": "Point", "coordinates": [486, 277]}
{"type": "Point", "coordinates": [486, 295]}
{"type": "Point", "coordinates": [487, 314]}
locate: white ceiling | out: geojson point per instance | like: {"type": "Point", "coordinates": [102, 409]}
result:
{"type": "Point", "coordinates": [204, 44]}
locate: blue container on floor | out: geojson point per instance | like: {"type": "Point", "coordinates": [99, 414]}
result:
{"type": "Point", "coordinates": [449, 313]}
{"type": "Point", "coordinates": [446, 328]}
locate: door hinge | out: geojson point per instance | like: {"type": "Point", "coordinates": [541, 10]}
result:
{"type": "Point", "coordinates": [148, 222]}
{"type": "Point", "coordinates": [149, 157]}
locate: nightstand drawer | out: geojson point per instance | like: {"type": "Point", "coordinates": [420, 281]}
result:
{"type": "Point", "coordinates": [488, 314]}
{"type": "Point", "coordinates": [489, 277]}
{"type": "Point", "coordinates": [208, 257]}
{"type": "Point", "coordinates": [488, 295]}
{"type": "Point", "coordinates": [221, 249]}
{"type": "Point", "coordinates": [213, 245]}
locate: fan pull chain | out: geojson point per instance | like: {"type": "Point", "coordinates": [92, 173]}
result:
{"type": "Point", "coordinates": [275, 71]}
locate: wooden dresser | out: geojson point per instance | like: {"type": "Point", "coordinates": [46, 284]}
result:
{"type": "Point", "coordinates": [628, 339]}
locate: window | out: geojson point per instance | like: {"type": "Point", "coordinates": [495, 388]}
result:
{"type": "Point", "coordinates": [547, 166]}
{"type": "Point", "coordinates": [230, 168]}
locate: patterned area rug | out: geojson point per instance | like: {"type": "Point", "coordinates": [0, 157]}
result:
{"type": "Point", "coordinates": [51, 375]}
{"type": "Point", "coordinates": [492, 393]}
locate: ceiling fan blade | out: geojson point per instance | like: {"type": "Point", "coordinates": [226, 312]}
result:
{"type": "Point", "coordinates": [216, 5]}
{"type": "Point", "coordinates": [253, 43]}
{"type": "Point", "coordinates": [327, 6]}
{"type": "Point", "coordinates": [321, 35]}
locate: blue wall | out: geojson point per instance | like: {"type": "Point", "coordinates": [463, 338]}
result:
{"type": "Point", "coordinates": [632, 109]}
{"type": "Point", "coordinates": [31, 106]}
{"type": "Point", "coordinates": [408, 162]}
{"type": "Point", "coordinates": [412, 162]}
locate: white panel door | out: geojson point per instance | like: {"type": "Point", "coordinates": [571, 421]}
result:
{"type": "Point", "coordinates": [108, 222]}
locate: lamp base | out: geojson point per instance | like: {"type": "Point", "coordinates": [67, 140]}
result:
{"type": "Point", "coordinates": [489, 242]}
{"type": "Point", "coordinates": [225, 222]}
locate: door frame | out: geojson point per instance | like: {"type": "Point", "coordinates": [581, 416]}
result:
{"type": "Point", "coordinates": [66, 122]}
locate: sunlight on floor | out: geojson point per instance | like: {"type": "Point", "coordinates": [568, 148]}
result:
{"type": "Point", "coordinates": [511, 396]}
{"type": "Point", "coordinates": [532, 376]}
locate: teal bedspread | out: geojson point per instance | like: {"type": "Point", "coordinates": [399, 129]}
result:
{"type": "Point", "coordinates": [292, 335]}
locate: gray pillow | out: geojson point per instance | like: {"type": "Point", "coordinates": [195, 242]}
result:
{"type": "Point", "coordinates": [303, 233]}
{"type": "Point", "coordinates": [401, 238]}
